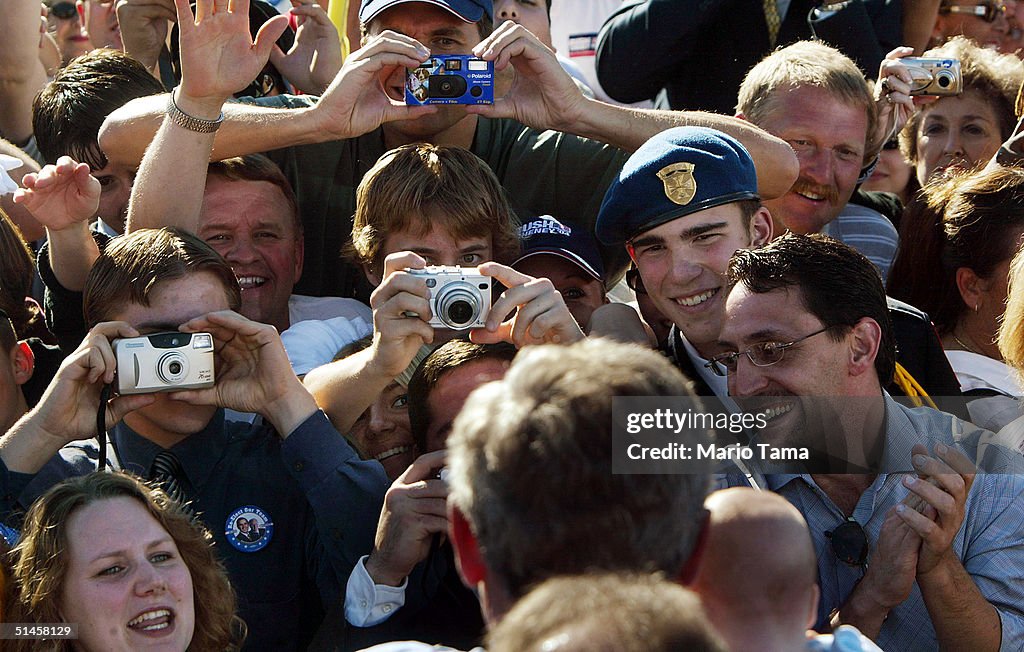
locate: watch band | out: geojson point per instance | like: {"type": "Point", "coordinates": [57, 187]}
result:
{"type": "Point", "coordinates": [190, 122]}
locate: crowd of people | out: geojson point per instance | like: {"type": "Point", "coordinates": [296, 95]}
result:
{"type": "Point", "coordinates": [239, 409]}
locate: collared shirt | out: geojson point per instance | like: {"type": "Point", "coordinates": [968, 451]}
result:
{"type": "Point", "coordinates": [990, 543]}
{"type": "Point", "coordinates": [322, 500]}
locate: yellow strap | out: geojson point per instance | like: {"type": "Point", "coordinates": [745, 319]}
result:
{"type": "Point", "coordinates": [912, 388]}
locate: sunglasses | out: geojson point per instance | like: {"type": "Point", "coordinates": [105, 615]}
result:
{"type": "Point", "coordinates": [63, 10]}
{"type": "Point", "coordinates": [849, 543]}
{"type": "Point", "coordinates": [891, 144]}
{"type": "Point", "coordinates": [987, 11]}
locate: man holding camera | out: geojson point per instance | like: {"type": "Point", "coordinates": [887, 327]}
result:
{"type": "Point", "coordinates": [362, 114]}
{"type": "Point", "coordinates": [294, 468]}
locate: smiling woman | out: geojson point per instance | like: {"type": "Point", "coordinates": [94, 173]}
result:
{"type": "Point", "coordinates": [127, 565]}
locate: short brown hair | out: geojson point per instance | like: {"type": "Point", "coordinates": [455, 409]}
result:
{"type": "Point", "coordinates": [17, 270]}
{"type": "Point", "coordinates": [805, 63]}
{"type": "Point", "coordinates": [415, 187]}
{"type": "Point", "coordinates": [135, 263]}
{"type": "Point", "coordinates": [626, 613]}
{"type": "Point", "coordinates": [257, 167]}
{"type": "Point", "coordinates": [992, 77]}
{"type": "Point", "coordinates": [531, 468]}
{"type": "Point", "coordinates": [40, 559]}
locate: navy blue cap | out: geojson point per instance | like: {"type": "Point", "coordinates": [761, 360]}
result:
{"type": "Point", "coordinates": [470, 11]}
{"type": "Point", "coordinates": [677, 172]}
{"type": "Point", "coordinates": [546, 235]}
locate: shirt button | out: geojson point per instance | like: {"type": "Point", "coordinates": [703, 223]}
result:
{"type": "Point", "coordinates": [387, 608]}
{"type": "Point", "coordinates": [298, 466]}
{"type": "Point", "coordinates": [362, 603]}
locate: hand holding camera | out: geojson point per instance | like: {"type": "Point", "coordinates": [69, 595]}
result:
{"type": "Point", "coordinates": [253, 372]}
{"type": "Point", "coordinates": [67, 411]}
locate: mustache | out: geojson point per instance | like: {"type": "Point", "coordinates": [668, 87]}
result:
{"type": "Point", "coordinates": [802, 185]}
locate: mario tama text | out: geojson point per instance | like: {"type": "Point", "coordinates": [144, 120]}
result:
{"type": "Point", "coordinates": [683, 435]}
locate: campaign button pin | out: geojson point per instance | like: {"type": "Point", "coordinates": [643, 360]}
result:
{"type": "Point", "coordinates": [248, 529]}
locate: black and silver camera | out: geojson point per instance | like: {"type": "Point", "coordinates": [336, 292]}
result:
{"type": "Point", "coordinates": [450, 79]}
{"type": "Point", "coordinates": [163, 362]}
{"type": "Point", "coordinates": [934, 76]}
{"type": "Point", "coordinates": [460, 297]}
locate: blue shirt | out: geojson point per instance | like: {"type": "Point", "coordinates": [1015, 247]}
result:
{"type": "Point", "coordinates": [322, 499]}
{"type": "Point", "coordinates": [990, 543]}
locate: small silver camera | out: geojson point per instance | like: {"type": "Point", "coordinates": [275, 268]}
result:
{"type": "Point", "coordinates": [460, 298]}
{"type": "Point", "coordinates": [163, 362]}
{"type": "Point", "coordinates": [934, 76]}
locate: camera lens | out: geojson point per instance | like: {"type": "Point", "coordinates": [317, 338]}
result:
{"type": "Point", "coordinates": [446, 86]}
{"type": "Point", "coordinates": [943, 80]}
{"type": "Point", "coordinates": [458, 305]}
{"type": "Point", "coordinates": [460, 312]}
{"type": "Point", "coordinates": [172, 368]}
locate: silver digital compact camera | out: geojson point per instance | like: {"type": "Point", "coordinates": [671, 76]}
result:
{"type": "Point", "coordinates": [460, 297]}
{"type": "Point", "coordinates": [163, 362]}
{"type": "Point", "coordinates": [933, 76]}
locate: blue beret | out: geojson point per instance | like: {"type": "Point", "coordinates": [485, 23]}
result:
{"type": "Point", "coordinates": [677, 172]}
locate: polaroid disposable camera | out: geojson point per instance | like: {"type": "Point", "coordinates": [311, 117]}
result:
{"type": "Point", "coordinates": [934, 76]}
{"type": "Point", "coordinates": [163, 362]}
{"type": "Point", "coordinates": [450, 79]}
{"type": "Point", "coordinates": [460, 298]}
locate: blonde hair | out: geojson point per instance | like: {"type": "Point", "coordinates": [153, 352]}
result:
{"type": "Point", "coordinates": [1011, 331]}
{"type": "Point", "coordinates": [415, 187]}
{"type": "Point", "coordinates": [804, 63]}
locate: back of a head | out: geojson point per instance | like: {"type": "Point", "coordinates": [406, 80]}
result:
{"type": "Point", "coordinates": [531, 468]}
{"type": "Point", "coordinates": [605, 613]}
{"type": "Point", "coordinates": [822, 269]}
{"type": "Point", "coordinates": [804, 64]}
{"type": "Point", "coordinates": [758, 563]}
{"type": "Point", "coordinates": [17, 270]}
{"type": "Point", "coordinates": [420, 186]}
{"type": "Point", "coordinates": [134, 264]}
{"type": "Point", "coordinates": [68, 113]}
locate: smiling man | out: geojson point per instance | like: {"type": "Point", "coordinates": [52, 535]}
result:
{"type": "Point", "coordinates": [817, 100]}
{"type": "Point", "coordinates": [906, 533]}
{"type": "Point", "coordinates": [683, 204]}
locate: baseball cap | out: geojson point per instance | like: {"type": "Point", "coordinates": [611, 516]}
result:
{"type": "Point", "coordinates": [470, 11]}
{"type": "Point", "coordinates": [546, 235]}
{"type": "Point", "coordinates": [677, 172]}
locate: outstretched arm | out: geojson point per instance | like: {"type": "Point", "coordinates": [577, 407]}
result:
{"type": "Point", "coordinates": [218, 57]}
{"type": "Point", "coordinates": [21, 71]}
{"type": "Point", "coordinates": [543, 96]}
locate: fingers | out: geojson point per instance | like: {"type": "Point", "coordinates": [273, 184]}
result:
{"type": "Point", "coordinates": [268, 35]}
{"type": "Point", "coordinates": [119, 406]}
{"type": "Point", "coordinates": [424, 467]}
{"type": "Point", "coordinates": [402, 260]}
{"type": "Point", "coordinates": [95, 354]}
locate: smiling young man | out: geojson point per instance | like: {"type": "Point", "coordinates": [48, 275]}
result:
{"type": "Point", "coordinates": [326, 146]}
{"type": "Point", "coordinates": [684, 203]}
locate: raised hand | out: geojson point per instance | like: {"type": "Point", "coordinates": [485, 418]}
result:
{"type": "Point", "coordinates": [218, 55]}
{"type": "Point", "coordinates": [397, 334]}
{"type": "Point", "coordinates": [144, 26]}
{"type": "Point", "coordinates": [356, 102]}
{"type": "Point", "coordinates": [61, 195]}
{"type": "Point", "coordinates": [253, 373]}
{"type": "Point", "coordinates": [543, 95]}
{"type": "Point", "coordinates": [315, 58]}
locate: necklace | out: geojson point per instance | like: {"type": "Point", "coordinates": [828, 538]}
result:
{"type": "Point", "coordinates": [963, 345]}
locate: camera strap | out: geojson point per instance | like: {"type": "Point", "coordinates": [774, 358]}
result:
{"type": "Point", "coordinates": [102, 437]}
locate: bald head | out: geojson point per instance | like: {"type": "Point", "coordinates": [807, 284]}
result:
{"type": "Point", "coordinates": [758, 564]}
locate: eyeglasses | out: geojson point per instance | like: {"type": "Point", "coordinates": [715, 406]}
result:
{"type": "Point", "coordinates": [634, 281]}
{"type": "Point", "coordinates": [265, 83]}
{"type": "Point", "coordinates": [764, 354]}
{"type": "Point", "coordinates": [891, 144]}
{"type": "Point", "coordinates": [849, 543]}
{"type": "Point", "coordinates": [988, 11]}
{"type": "Point", "coordinates": [63, 10]}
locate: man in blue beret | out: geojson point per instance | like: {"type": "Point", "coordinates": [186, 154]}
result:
{"type": "Point", "coordinates": [684, 202]}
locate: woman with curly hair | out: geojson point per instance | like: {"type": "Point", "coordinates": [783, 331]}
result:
{"type": "Point", "coordinates": [125, 563]}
